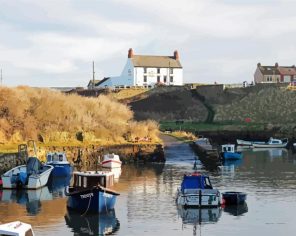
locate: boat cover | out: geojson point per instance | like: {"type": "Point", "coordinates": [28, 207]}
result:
{"type": "Point", "coordinates": [33, 165]}
{"type": "Point", "coordinates": [193, 182]}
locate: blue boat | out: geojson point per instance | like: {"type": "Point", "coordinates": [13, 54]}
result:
{"type": "Point", "coordinates": [58, 160]}
{"type": "Point", "coordinates": [196, 191]}
{"type": "Point", "coordinates": [229, 153]}
{"type": "Point", "coordinates": [90, 192]}
{"type": "Point", "coordinates": [234, 198]}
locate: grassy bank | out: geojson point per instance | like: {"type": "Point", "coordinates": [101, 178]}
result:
{"type": "Point", "coordinates": [196, 127]}
{"type": "Point", "coordinates": [56, 119]}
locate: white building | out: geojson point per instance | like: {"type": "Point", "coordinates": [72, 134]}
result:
{"type": "Point", "coordinates": [142, 70]}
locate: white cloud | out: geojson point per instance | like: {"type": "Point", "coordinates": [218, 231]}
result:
{"type": "Point", "coordinates": [218, 40]}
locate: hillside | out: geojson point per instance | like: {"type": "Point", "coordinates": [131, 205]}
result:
{"type": "Point", "coordinates": [52, 117]}
{"type": "Point", "coordinates": [169, 103]}
{"type": "Point", "coordinates": [269, 105]}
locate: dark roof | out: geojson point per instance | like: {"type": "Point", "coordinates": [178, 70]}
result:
{"type": "Point", "coordinates": [278, 70]}
{"type": "Point", "coordinates": [269, 70]}
{"type": "Point", "coordinates": [102, 81]}
{"type": "Point", "coordinates": [91, 82]}
{"type": "Point", "coordinates": [155, 61]}
{"type": "Point", "coordinates": [287, 70]}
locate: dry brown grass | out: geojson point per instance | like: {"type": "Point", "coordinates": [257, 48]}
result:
{"type": "Point", "coordinates": [53, 117]}
{"type": "Point", "coordinates": [183, 135]}
{"type": "Point", "coordinates": [127, 93]}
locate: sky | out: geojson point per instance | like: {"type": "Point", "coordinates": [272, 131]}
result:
{"type": "Point", "coordinates": [52, 43]}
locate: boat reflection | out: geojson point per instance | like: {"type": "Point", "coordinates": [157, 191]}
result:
{"type": "Point", "coordinates": [33, 199]}
{"type": "Point", "coordinates": [92, 224]}
{"type": "Point", "coordinates": [195, 216]}
{"type": "Point", "coordinates": [272, 152]}
{"type": "Point", "coordinates": [56, 185]}
{"type": "Point", "coordinates": [236, 210]}
{"type": "Point", "coordinates": [235, 163]}
{"type": "Point", "coordinates": [199, 216]}
{"type": "Point", "coordinates": [115, 171]}
{"type": "Point", "coordinates": [30, 198]}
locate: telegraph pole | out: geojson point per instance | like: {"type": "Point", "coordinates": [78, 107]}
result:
{"type": "Point", "coordinates": [93, 75]}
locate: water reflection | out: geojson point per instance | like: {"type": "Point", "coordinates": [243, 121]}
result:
{"type": "Point", "coordinates": [30, 198]}
{"type": "Point", "coordinates": [199, 215]}
{"type": "Point", "coordinates": [95, 224]}
{"type": "Point", "coordinates": [272, 152]}
{"type": "Point", "coordinates": [236, 210]}
{"type": "Point", "coordinates": [33, 199]}
{"type": "Point", "coordinates": [234, 163]}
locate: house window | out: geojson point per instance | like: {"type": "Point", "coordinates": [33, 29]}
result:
{"type": "Point", "coordinates": [145, 70]}
{"type": "Point", "coordinates": [145, 78]}
{"type": "Point", "coordinates": [158, 70]}
{"type": "Point", "coordinates": [164, 78]}
{"type": "Point", "coordinates": [158, 79]}
{"type": "Point", "coordinates": [171, 71]}
{"type": "Point", "coordinates": [171, 79]}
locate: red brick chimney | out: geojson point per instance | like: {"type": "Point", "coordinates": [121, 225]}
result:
{"type": "Point", "coordinates": [130, 53]}
{"type": "Point", "coordinates": [176, 55]}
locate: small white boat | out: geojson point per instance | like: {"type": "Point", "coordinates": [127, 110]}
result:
{"type": "Point", "coordinates": [229, 153]}
{"type": "Point", "coordinates": [16, 228]}
{"type": "Point", "coordinates": [111, 161]}
{"type": "Point", "coordinates": [272, 143]}
{"type": "Point", "coordinates": [33, 175]}
{"type": "Point", "coordinates": [244, 143]}
{"type": "Point", "coordinates": [196, 191]}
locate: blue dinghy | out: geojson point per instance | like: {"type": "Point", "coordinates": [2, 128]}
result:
{"type": "Point", "coordinates": [90, 192]}
{"type": "Point", "coordinates": [58, 160]}
{"type": "Point", "coordinates": [234, 198]}
{"type": "Point", "coordinates": [229, 153]}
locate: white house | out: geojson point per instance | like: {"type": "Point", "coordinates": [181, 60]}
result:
{"type": "Point", "coordinates": [142, 70]}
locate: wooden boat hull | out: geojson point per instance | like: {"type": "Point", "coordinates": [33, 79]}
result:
{"type": "Point", "coordinates": [95, 199]}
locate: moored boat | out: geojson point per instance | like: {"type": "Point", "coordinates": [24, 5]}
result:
{"type": "Point", "coordinates": [234, 198]}
{"type": "Point", "coordinates": [196, 191]}
{"type": "Point", "coordinates": [243, 142]}
{"type": "Point", "coordinates": [246, 144]}
{"type": "Point", "coordinates": [272, 143]}
{"type": "Point", "coordinates": [58, 160]}
{"type": "Point", "coordinates": [91, 193]}
{"type": "Point", "coordinates": [111, 161]}
{"type": "Point", "coordinates": [33, 175]}
{"type": "Point", "coordinates": [16, 228]}
{"type": "Point", "coordinates": [229, 153]}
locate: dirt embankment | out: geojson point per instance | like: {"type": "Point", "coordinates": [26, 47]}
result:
{"type": "Point", "coordinates": [169, 103]}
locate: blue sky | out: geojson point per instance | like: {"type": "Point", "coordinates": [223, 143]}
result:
{"type": "Point", "coordinates": [53, 42]}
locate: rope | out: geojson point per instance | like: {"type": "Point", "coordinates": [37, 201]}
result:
{"type": "Point", "coordinates": [90, 196]}
{"type": "Point", "coordinates": [105, 201]}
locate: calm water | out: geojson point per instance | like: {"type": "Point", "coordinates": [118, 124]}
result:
{"type": "Point", "coordinates": [146, 205]}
